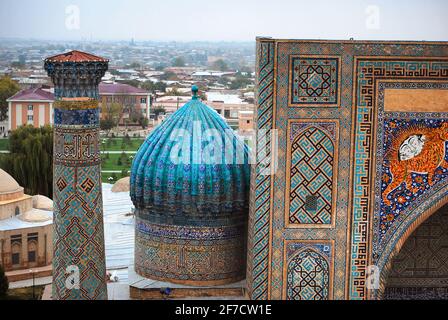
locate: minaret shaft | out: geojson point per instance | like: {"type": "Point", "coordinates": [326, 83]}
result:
{"type": "Point", "coordinates": [79, 267]}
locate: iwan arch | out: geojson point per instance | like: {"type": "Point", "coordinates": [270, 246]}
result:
{"type": "Point", "coordinates": [362, 163]}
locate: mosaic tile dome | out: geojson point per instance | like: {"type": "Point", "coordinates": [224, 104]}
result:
{"type": "Point", "coordinates": [190, 185]}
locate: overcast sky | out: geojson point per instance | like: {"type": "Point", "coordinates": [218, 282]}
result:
{"type": "Point", "coordinates": [227, 20]}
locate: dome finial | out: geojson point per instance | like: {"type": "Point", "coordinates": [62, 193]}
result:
{"type": "Point", "coordinates": [194, 91]}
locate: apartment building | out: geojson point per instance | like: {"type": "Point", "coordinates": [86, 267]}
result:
{"type": "Point", "coordinates": [30, 106]}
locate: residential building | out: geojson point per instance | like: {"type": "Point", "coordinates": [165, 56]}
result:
{"type": "Point", "coordinates": [30, 106]}
{"type": "Point", "coordinates": [130, 97]}
{"type": "Point", "coordinates": [35, 106]}
{"type": "Point", "coordinates": [246, 120]}
{"type": "Point", "coordinates": [232, 112]}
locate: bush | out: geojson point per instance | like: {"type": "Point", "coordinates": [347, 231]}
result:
{"type": "Point", "coordinates": [30, 161]}
{"type": "Point", "coordinates": [124, 173]}
{"type": "Point", "coordinates": [4, 283]}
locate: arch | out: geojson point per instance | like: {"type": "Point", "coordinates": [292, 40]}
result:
{"type": "Point", "coordinates": [308, 276]}
{"type": "Point", "coordinates": [17, 211]}
{"type": "Point", "coordinates": [33, 252]}
{"type": "Point", "coordinates": [409, 225]}
{"type": "Point", "coordinates": [420, 268]}
{"type": "Point", "coordinates": [16, 254]}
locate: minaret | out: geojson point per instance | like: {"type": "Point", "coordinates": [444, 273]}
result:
{"type": "Point", "coordinates": [79, 266]}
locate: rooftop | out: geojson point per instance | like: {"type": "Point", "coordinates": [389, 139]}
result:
{"type": "Point", "coordinates": [76, 56]}
{"type": "Point", "coordinates": [15, 223]}
{"type": "Point", "coordinates": [119, 88]}
{"type": "Point", "coordinates": [104, 88]}
{"type": "Point", "coordinates": [32, 94]}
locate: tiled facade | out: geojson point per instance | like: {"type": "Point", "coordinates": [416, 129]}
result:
{"type": "Point", "coordinates": [362, 88]}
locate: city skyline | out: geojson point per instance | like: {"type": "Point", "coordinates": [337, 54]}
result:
{"type": "Point", "coordinates": [229, 21]}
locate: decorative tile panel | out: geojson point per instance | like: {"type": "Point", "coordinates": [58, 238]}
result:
{"type": "Point", "coordinates": [309, 270]}
{"type": "Point", "coordinates": [314, 81]}
{"type": "Point", "coordinates": [312, 155]}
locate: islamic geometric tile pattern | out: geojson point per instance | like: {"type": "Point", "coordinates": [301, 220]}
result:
{"type": "Point", "coordinates": [362, 68]}
{"type": "Point", "coordinates": [311, 172]}
{"type": "Point", "coordinates": [260, 201]}
{"type": "Point", "coordinates": [193, 252]}
{"type": "Point", "coordinates": [77, 225]}
{"type": "Point", "coordinates": [309, 271]}
{"type": "Point", "coordinates": [79, 268]}
{"type": "Point", "coordinates": [314, 80]}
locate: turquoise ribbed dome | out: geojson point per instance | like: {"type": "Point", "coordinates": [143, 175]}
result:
{"type": "Point", "coordinates": [196, 189]}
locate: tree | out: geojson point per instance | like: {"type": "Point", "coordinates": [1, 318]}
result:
{"type": "Point", "coordinates": [8, 88]}
{"type": "Point", "coordinates": [220, 65]}
{"type": "Point", "coordinates": [174, 92]}
{"type": "Point", "coordinates": [153, 86]}
{"type": "Point", "coordinates": [135, 115]}
{"type": "Point", "coordinates": [143, 122]}
{"type": "Point", "coordinates": [240, 82]}
{"type": "Point", "coordinates": [107, 125]}
{"type": "Point", "coordinates": [4, 283]}
{"type": "Point", "coordinates": [124, 173]}
{"type": "Point", "coordinates": [158, 110]}
{"type": "Point", "coordinates": [134, 65]}
{"type": "Point", "coordinates": [111, 114]}
{"type": "Point", "coordinates": [179, 62]}
{"type": "Point", "coordinates": [30, 159]}
{"type": "Point", "coordinates": [169, 75]}
{"type": "Point", "coordinates": [17, 65]}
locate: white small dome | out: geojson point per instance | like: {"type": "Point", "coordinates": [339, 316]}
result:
{"type": "Point", "coordinates": [7, 183]}
{"type": "Point", "coordinates": [42, 202]}
{"type": "Point", "coordinates": [122, 185]}
{"type": "Point", "coordinates": [35, 215]}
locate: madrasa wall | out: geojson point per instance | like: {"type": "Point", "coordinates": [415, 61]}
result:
{"type": "Point", "coordinates": [360, 160]}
